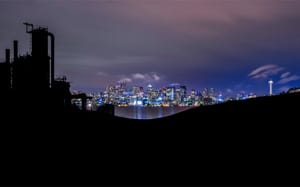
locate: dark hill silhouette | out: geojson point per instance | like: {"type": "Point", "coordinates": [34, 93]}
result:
{"type": "Point", "coordinates": [250, 142]}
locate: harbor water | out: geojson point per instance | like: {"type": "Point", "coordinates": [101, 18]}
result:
{"type": "Point", "coordinates": [141, 112]}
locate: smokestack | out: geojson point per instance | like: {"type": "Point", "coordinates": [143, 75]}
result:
{"type": "Point", "coordinates": [7, 56]}
{"type": "Point", "coordinates": [7, 61]}
{"type": "Point", "coordinates": [52, 57]}
{"type": "Point", "coordinates": [15, 50]}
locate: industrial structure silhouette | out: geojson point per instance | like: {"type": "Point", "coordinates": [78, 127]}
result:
{"type": "Point", "coordinates": [29, 80]}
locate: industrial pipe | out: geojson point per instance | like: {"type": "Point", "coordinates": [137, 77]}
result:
{"type": "Point", "coordinates": [15, 50]}
{"type": "Point", "coordinates": [7, 56]}
{"type": "Point", "coordinates": [52, 57]}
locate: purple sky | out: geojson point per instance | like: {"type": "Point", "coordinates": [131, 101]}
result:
{"type": "Point", "coordinates": [231, 45]}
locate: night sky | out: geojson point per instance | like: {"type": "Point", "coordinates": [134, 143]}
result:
{"type": "Point", "coordinates": [230, 45]}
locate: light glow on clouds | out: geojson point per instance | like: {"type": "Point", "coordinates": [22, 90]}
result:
{"type": "Point", "coordinates": [276, 73]}
{"type": "Point", "coordinates": [265, 71]}
{"type": "Point", "coordinates": [284, 75]}
{"type": "Point", "coordinates": [141, 78]}
{"type": "Point", "coordinates": [288, 79]}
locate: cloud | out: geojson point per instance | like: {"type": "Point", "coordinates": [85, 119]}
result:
{"type": "Point", "coordinates": [265, 71]}
{"type": "Point", "coordinates": [262, 68]}
{"type": "Point", "coordinates": [186, 41]}
{"type": "Point", "coordinates": [228, 90]}
{"type": "Point", "coordinates": [137, 77]}
{"type": "Point", "coordinates": [127, 80]}
{"type": "Point", "coordinates": [147, 77]}
{"type": "Point", "coordinates": [156, 77]}
{"type": "Point", "coordinates": [288, 79]}
{"type": "Point", "coordinates": [283, 89]}
{"type": "Point", "coordinates": [284, 75]}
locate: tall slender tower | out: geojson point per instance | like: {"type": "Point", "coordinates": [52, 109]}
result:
{"type": "Point", "coordinates": [270, 87]}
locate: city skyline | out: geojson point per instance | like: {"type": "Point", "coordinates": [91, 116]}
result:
{"type": "Point", "coordinates": [227, 45]}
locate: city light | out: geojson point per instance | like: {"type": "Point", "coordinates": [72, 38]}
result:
{"type": "Point", "coordinates": [172, 95]}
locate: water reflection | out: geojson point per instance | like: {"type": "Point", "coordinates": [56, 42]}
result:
{"type": "Point", "coordinates": [147, 112]}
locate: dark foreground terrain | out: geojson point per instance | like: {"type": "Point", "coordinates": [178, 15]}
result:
{"type": "Point", "coordinates": [250, 142]}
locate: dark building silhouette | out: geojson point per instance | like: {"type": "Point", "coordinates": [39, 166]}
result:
{"type": "Point", "coordinates": [32, 76]}
{"type": "Point", "coordinates": [33, 71]}
{"type": "Point", "coordinates": [5, 73]}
